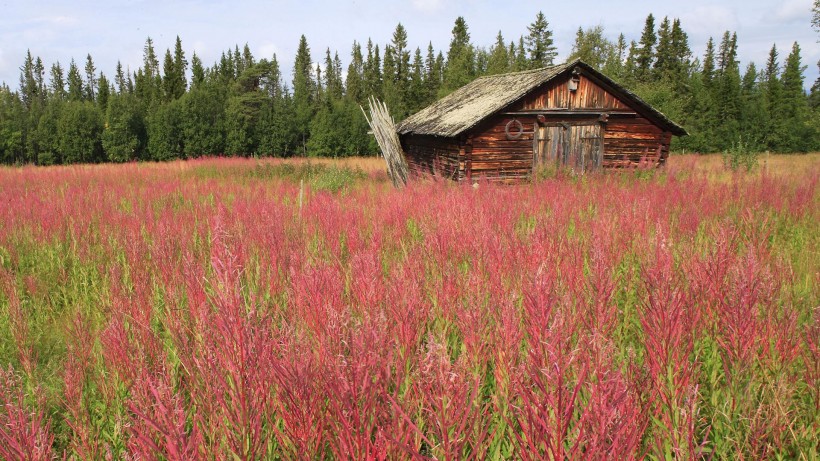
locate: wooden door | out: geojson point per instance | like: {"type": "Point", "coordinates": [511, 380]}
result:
{"type": "Point", "coordinates": [548, 144]}
{"type": "Point", "coordinates": [584, 147]}
{"type": "Point", "coordinates": [579, 147]}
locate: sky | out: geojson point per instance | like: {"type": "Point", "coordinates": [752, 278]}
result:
{"type": "Point", "coordinates": [59, 30]}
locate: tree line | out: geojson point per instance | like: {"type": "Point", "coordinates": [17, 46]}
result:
{"type": "Point", "coordinates": [241, 105]}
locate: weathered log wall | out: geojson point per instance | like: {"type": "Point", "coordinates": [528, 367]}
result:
{"type": "Point", "coordinates": [434, 156]}
{"type": "Point", "coordinates": [632, 142]}
{"type": "Point", "coordinates": [496, 157]}
{"type": "Point", "coordinates": [556, 95]}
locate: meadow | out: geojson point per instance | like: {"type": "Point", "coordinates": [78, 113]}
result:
{"type": "Point", "coordinates": [284, 309]}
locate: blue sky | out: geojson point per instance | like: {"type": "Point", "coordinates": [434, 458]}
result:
{"type": "Point", "coordinates": [112, 30]}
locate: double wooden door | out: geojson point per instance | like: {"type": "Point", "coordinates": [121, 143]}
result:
{"type": "Point", "coordinates": [576, 146]}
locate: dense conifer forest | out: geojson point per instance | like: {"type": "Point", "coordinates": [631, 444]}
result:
{"type": "Point", "coordinates": [175, 106]}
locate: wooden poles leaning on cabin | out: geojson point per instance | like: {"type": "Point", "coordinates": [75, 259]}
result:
{"type": "Point", "coordinates": [384, 129]}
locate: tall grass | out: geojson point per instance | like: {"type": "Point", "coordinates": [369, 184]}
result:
{"type": "Point", "coordinates": [203, 310]}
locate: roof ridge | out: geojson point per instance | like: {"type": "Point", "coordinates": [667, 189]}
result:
{"type": "Point", "coordinates": [526, 71]}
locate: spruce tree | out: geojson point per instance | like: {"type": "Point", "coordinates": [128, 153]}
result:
{"type": "Point", "coordinates": [614, 66]}
{"type": "Point", "coordinates": [665, 57]}
{"type": "Point", "coordinates": [180, 69]}
{"type": "Point", "coordinates": [521, 60]}
{"type": "Point", "coordinates": [238, 61]}
{"type": "Point", "coordinates": [168, 76]}
{"type": "Point", "coordinates": [354, 81]}
{"type": "Point", "coordinates": [459, 68]}
{"type": "Point", "coordinates": [703, 105]}
{"type": "Point", "coordinates": [274, 130]}
{"type": "Point", "coordinates": [432, 74]}
{"type": "Point", "coordinates": [499, 60]}
{"type": "Point", "coordinates": [248, 60]}
{"type": "Point", "coordinates": [708, 72]}
{"type": "Point", "coordinates": [631, 64]}
{"type": "Point", "coordinates": [540, 46]}
{"type": "Point", "coordinates": [319, 95]}
{"type": "Point", "coordinates": [304, 92]}
{"type": "Point", "coordinates": [728, 92]}
{"type": "Point", "coordinates": [753, 115]}
{"type": "Point", "coordinates": [389, 89]}
{"type": "Point", "coordinates": [12, 118]}
{"type": "Point", "coordinates": [682, 53]}
{"type": "Point", "coordinates": [773, 102]}
{"type": "Point", "coordinates": [174, 82]}
{"type": "Point", "coordinates": [373, 72]}
{"type": "Point", "coordinates": [801, 136]}
{"type": "Point", "coordinates": [197, 71]}
{"type": "Point", "coordinates": [814, 95]}
{"type": "Point", "coordinates": [401, 59]}
{"type": "Point", "coordinates": [75, 83]}
{"type": "Point", "coordinates": [28, 82]}
{"type": "Point", "coordinates": [119, 78]}
{"type": "Point", "coordinates": [103, 92]}
{"type": "Point", "coordinates": [32, 94]}
{"type": "Point", "coordinates": [815, 15]}
{"type": "Point", "coordinates": [645, 53]}
{"type": "Point", "coordinates": [57, 81]}
{"type": "Point", "coordinates": [40, 80]}
{"type": "Point", "coordinates": [417, 93]}
{"type": "Point", "coordinates": [396, 74]}
{"type": "Point", "coordinates": [90, 79]}
{"type": "Point", "coordinates": [148, 82]}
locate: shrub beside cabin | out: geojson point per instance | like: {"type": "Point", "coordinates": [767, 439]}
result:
{"type": "Point", "coordinates": [502, 127]}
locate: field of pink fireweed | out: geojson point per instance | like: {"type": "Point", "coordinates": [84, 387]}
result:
{"type": "Point", "coordinates": [218, 309]}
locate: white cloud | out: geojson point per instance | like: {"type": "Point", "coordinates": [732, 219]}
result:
{"type": "Point", "coordinates": [793, 10]}
{"type": "Point", "coordinates": [709, 20]}
{"type": "Point", "coordinates": [56, 20]}
{"type": "Point", "coordinates": [428, 6]}
{"type": "Point", "coordinates": [200, 48]}
{"type": "Point", "coordinates": [4, 66]}
{"type": "Point", "coordinates": [267, 50]}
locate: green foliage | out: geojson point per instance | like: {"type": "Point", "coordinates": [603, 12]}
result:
{"type": "Point", "coordinates": [123, 129]}
{"type": "Point", "coordinates": [304, 92]}
{"type": "Point", "coordinates": [48, 135]}
{"type": "Point", "coordinates": [204, 120]}
{"type": "Point", "coordinates": [165, 126]}
{"type": "Point", "coordinates": [241, 106]}
{"type": "Point", "coordinates": [645, 53]}
{"type": "Point", "coordinates": [540, 46]}
{"type": "Point", "coordinates": [740, 155]}
{"type": "Point", "coordinates": [459, 69]}
{"type": "Point", "coordinates": [592, 47]}
{"type": "Point", "coordinates": [80, 127]}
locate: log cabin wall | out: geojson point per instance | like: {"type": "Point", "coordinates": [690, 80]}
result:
{"type": "Point", "coordinates": [434, 156]}
{"type": "Point", "coordinates": [497, 157]}
{"type": "Point", "coordinates": [556, 95]}
{"type": "Point", "coordinates": [634, 141]}
{"type": "Point", "coordinates": [629, 139]}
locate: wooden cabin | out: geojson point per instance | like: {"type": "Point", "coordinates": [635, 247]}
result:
{"type": "Point", "coordinates": [503, 127]}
